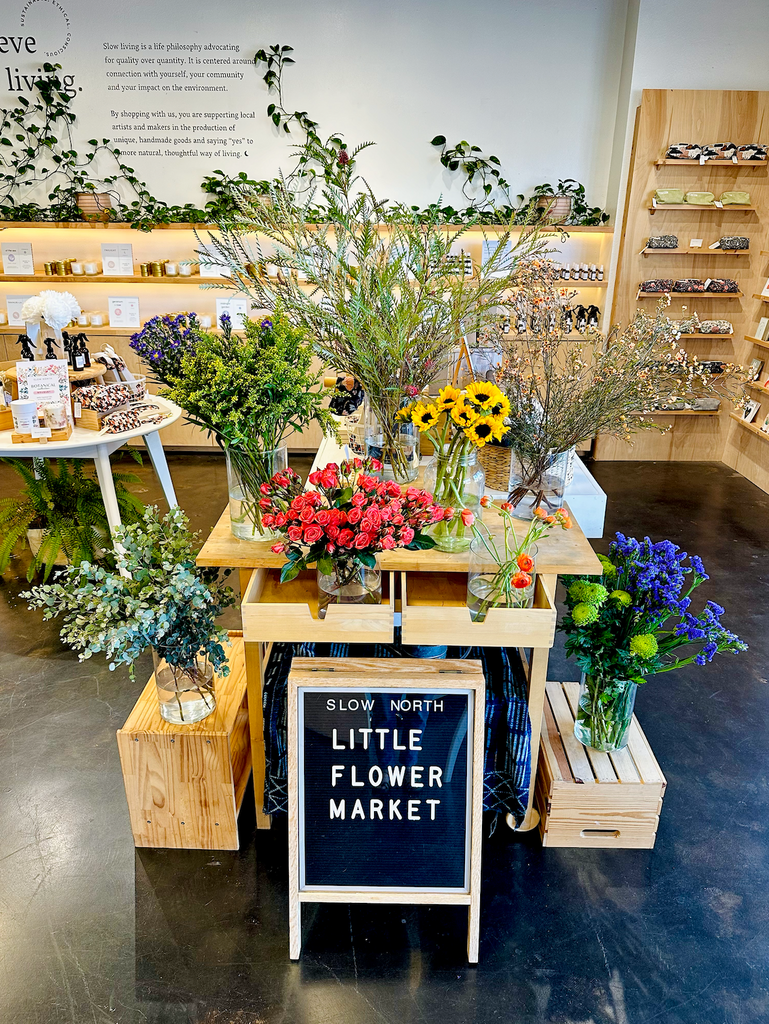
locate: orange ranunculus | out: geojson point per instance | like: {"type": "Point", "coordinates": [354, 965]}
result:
{"type": "Point", "coordinates": [525, 562]}
{"type": "Point", "coordinates": [521, 580]}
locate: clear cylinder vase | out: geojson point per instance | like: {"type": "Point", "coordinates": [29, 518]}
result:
{"type": "Point", "coordinates": [398, 452]}
{"type": "Point", "coordinates": [246, 472]}
{"type": "Point", "coordinates": [604, 712]}
{"type": "Point", "coordinates": [456, 480]}
{"type": "Point", "coordinates": [491, 585]}
{"type": "Point", "coordinates": [349, 583]}
{"type": "Point", "coordinates": [538, 481]}
{"type": "Point", "coordinates": [185, 692]}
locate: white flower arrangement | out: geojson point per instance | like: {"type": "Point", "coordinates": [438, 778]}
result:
{"type": "Point", "coordinates": [57, 309]}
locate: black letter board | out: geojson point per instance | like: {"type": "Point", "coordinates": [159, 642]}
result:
{"type": "Point", "coordinates": [385, 781]}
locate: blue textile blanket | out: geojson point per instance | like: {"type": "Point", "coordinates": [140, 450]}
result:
{"type": "Point", "coordinates": [507, 767]}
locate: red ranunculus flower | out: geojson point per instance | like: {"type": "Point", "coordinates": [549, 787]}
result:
{"type": "Point", "coordinates": [448, 513]}
{"type": "Point", "coordinates": [525, 562]}
{"type": "Point", "coordinates": [407, 535]}
{"type": "Point", "coordinates": [363, 540]}
{"type": "Point", "coordinates": [468, 516]}
{"type": "Point", "coordinates": [521, 580]}
{"type": "Point", "coordinates": [278, 549]}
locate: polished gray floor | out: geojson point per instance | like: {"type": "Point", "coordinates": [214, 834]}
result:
{"type": "Point", "coordinates": [93, 932]}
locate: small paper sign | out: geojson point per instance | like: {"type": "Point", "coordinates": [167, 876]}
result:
{"type": "Point", "coordinates": [211, 269]}
{"type": "Point", "coordinates": [235, 308]}
{"type": "Point", "coordinates": [17, 258]}
{"type": "Point", "coordinates": [13, 304]}
{"type": "Point", "coordinates": [117, 260]}
{"type": "Point", "coordinates": [124, 312]}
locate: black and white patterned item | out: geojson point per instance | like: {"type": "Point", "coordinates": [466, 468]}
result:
{"type": "Point", "coordinates": [715, 327]}
{"type": "Point", "coordinates": [662, 242]}
{"type": "Point", "coordinates": [132, 418]}
{"type": "Point", "coordinates": [105, 398]}
{"type": "Point", "coordinates": [732, 242]}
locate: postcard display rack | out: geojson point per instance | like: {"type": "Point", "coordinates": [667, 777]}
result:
{"type": "Point", "coordinates": [667, 117]}
{"type": "Point", "coordinates": [82, 241]}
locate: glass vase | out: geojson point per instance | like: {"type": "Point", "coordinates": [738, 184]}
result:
{"type": "Point", "coordinates": [349, 583]}
{"type": "Point", "coordinates": [456, 480]}
{"type": "Point", "coordinates": [398, 452]}
{"type": "Point", "coordinates": [491, 585]}
{"type": "Point", "coordinates": [538, 481]}
{"type": "Point", "coordinates": [185, 692]}
{"type": "Point", "coordinates": [246, 472]}
{"type": "Point", "coordinates": [604, 712]}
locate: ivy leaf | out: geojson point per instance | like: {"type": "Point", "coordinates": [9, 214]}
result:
{"type": "Point", "coordinates": [439, 140]}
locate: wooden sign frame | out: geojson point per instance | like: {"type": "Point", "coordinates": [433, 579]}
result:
{"type": "Point", "coordinates": [399, 675]}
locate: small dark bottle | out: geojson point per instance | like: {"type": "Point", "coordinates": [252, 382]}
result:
{"type": "Point", "coordinates": [78, 359]}
{"type": "Point", "coordinates": [50, 352]}
{"type": "Point", "coordinates": [84, 351]}
{"type": "Point", "coordinates": [26, 347]}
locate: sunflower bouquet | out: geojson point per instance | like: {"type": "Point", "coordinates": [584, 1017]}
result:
{"type": "Point", "coordinates": [457, 423]}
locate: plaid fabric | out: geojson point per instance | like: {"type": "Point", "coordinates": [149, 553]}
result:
{"type": "Point", "coordinates": [507, 767]}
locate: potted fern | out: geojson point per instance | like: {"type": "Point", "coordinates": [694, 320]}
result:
{"type": "Point", "coordinates": [155, 597]}
{"type": "Point", "coordinates": [61, 513]}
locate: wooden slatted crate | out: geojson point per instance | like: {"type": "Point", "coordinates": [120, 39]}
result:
{"type": "Point", "coordinates": [185, 783]}
{"type": "Point", "coordinates": [587, 798]}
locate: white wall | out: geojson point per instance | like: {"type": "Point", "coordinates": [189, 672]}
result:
{"type": "Point", "coordinates": [535, 83]}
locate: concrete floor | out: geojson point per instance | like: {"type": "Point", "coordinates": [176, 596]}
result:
{"type": "Point", "coordinates": [93, 931]}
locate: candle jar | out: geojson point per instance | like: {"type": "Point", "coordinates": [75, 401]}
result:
{"type": "Point", "coordinates": [83, 320]}
{"type": "Point", "coordinates": [97, 320]}
{"type": "Point", "coordinates": [3, 317]}
{"type": "Point", "coordinates": [61, 268]}
{"type": "Point", "coordinates": [55, 414]}
{"type": "Point", "coordinates": [172, 269]}
{"type": "Point", "coordinates": [76, 267]}
{"type": "Point", "coordinates": [205, 323]}
{"type": "Point", "coordinates": [24, 415]}
{"type": "Point", "coordinates": [48, 269]}
{"type": "Point", "coordinates": [185, 270]}
{"type": "Point", "coordinates": [156, 268]}
{"type": "Point", "coordinates": [91, 269]}
{"type": "Point", "coordinates": [144, 269]}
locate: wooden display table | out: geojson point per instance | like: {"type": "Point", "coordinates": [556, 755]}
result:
{"type": "Point", "coordinates": [185, 783]}
{"type": "Point", "coordinates": [95, 372]}
{"type": "Point", "coordinates": [563, 552]}
{"type": "Point", "coordinates": [587, 798]}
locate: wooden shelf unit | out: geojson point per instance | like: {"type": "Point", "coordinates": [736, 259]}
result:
{"type": "Point", "coordinates": [102, 279]}
{"type": "Point", "coordinates": [761, 298]}
{"type": "Point", "coordinates": [738, 165]}
{"type": "Point", "coordinates": [692, 295]}
{"type": "Point", "coordinates": [757, 342]}
{"type": "Point", "coordinates": [754, 385]}
{"type": "Point", "coordinates": [646, 251]}
{"type": "Point", "coordinates": [713, 337]}
{"type": "Point", "coordinates": [697, 208]}
{"type": "Point", "coordinates": [749, 426]}
{"type": "Point", "coordinates": [6, 225]}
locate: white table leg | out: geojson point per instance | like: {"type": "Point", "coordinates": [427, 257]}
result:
{"type": "Point", "coordinates": [107, 485]}
{"type": "Point", "coordinates": [158, 460]}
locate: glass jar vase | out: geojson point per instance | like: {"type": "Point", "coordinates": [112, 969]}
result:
{"type": "Point", "coordinates": [185, 692]}
{"type": "Point", "coordinates": [538, 481]}
{"type": "Point", "coordinates": [246, 472]}
{"type": "Point", "coordinates": [349, 583]}
{"type": "Point", "coordinates": [398, 452]}
{"type": "Point", "coordinates": [456, 481]}
{"type": "Point", "coordinates": [494, 585]}
{"type": "Point", "coordinates": [604, 711]}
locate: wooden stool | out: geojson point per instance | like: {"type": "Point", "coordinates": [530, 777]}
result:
{"type": "Point", "coordinates": [185, 783]}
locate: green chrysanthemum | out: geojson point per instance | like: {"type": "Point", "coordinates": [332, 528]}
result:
{"type": "Point", "coordinates": [621, 597]}
{"type": "Point", "coordinates": [609, 569]}
{"type": "Point", "coordinates": [580, 591]}
{"type": "Point", "coordinates": [644, 645]}
{"type": "Point", "coordinates": [583, 614]}
{"type": "Point", "coordinates": [597, 593]}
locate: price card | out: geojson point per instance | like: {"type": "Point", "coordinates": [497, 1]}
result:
{"type": "Point", "coordinates": [17, 258]}
{"type": "Point", "coordinates": [117, 260]}
{"type": "Point", "coordinates": [124, 312]}
{"type": "Point", "coordinates": [211, 269]}
{"type": "Point", "coordinates": [13, 304]}
{"type": "Point", "coordinates": [235, 308]}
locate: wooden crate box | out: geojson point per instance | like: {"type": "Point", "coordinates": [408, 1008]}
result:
{"type": "Point", "coordinates": [587, 798]}
{"type": "Point", "coordinates": [185, 783]}
{"type": "Point", "coordinates": [288, 612]}
{"type": "Point", "coordinates": [434, 607]}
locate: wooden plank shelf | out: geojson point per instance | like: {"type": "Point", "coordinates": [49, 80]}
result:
{"type": "Point", "coordinates": [695, 295]}
{"type": "Point", "coordinates": [762, 298]}
{"type": "Point", "coordinates": [735, 165]}
{"type": "Point", "coordinates": [582, 284]}
{"type": "Point", "coordinates": [696, 335]}
{"type": "Point", "coordinates": [757, 341]}
{"type": "Point", "coordinates": [750, 427]}
{"type": "Point", "coordinates": [754, 385]}
{"type": "Point", "coordinates": [5, 225]}
{"type": "Point", "coordinates": [695, 207]}
{"type": "Point", "coordinates": [679, 412]}
{"type": "Point", "coordinates": [646, 251]}
{"type": "Point", "coordinates": [180, 279]}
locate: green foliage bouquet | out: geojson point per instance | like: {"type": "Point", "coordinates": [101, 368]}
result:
{"type": "Point", "coordinates": [250, 392]}
{"type": "Point", "coordinates": [157, 598]}
{"type": "Point", "coordinates": [631, 623]}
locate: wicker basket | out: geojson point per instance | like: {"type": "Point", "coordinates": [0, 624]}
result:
{"type": "Point", "coordinates": [496, 462]}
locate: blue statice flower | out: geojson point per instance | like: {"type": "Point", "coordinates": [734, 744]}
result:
{"type": "Point", "coordinates": [164, 341]}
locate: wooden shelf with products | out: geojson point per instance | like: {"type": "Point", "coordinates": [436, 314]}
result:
{"type": "Point", "coordinates": [713, 337]}
{"type": "Point", "coordinates": [757, 341]}
{"type": "Point", "coordinates": [646, 251]}
{"type": "Point", "coordinates": [5, 225]}
{"type": "Point", "coordinates": [753, 385]}
{"type": "Point", "coordinates": [761, 298]}
{"type": "Point", "coordinates": [179, 279]}
{"type": "Point", "coordinates": [698, 208]}
{"type": "Point", "coordinates": [693, 295]}
{"type": "Point", "coordinates": [680, 412]}
{"type": "Point", "coordinates": [737, 165]}
{"type": "Point", "coordinates": [750, 426]}
{"type": "Point", "coordinates": [563, 283]}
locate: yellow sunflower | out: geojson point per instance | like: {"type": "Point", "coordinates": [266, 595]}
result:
{"type": "Point", "coordinates": [464, 415]}
{"type": "Point", "coordinates": [484, 393]}
{"type": "Point", "coordinates": [425, 416]}
{"type": "Point", "coordinates": [483, 430]}
{"type": "Point", "coordinates": [403, 415]}
{"type": "Point", "coordinates": [501, 408]}
{"type": "Point", "coordinates": [498, 425]}
{"type": "Point", "coordinates": [448, 397]}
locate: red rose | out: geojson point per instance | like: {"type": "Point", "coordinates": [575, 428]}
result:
{"type": "Point", "coordinates": [354, 515]}
{"type": "Point", "coordinates": [363, 540]}
{"type": "Point", "coordinates": [328, 478]}
{"type": "Point", "coordinates": [345, 538]}
{"type": "Point", "coordinates": [314, 478]}
{"type": "Point", "coordinates": [323, 517]}
{"type": "Point", "coordinates": [278, 548]}
{"type": "Point", "coordinates": [407, 535]}
{"type": "Point", "coordinates": [281, 480]}
{"type": "Point", "coordinates": [295, 534]}
{"type": "Point", "coordinates": [412, 493]}
{"type": "Point", "coordinates": [268, 521]}
{"type": "Point", "coordinates": [264, 488]}
{"type": "Point", "coordinates": [264, 504]}
{"type": "Point", "coordinates": [331, 548]}
{"type": "Point", "coordinates": [387, 543]}
{"type": "Point", "coordinates": [392, 489]}
{"type": "Point", "coordinates": [312, 534]}
{"type": "Point", "coordinates": [307, 515]}
{"type": "Point", "coordinates": [280, 519]}
{"type": "Point", "coordinates": [358, 498]}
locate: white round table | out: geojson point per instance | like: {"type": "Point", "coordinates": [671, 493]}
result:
{"type": "Point", "coordinates": [96, 445]}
